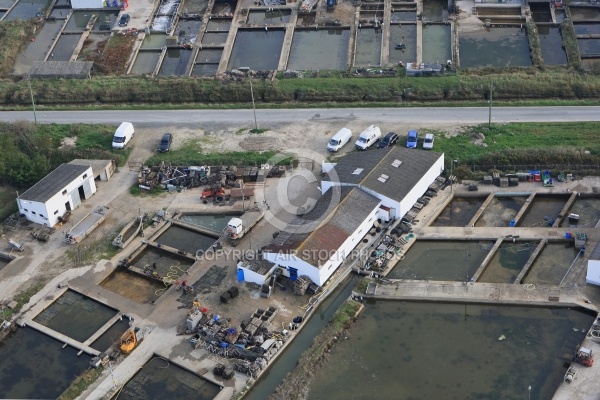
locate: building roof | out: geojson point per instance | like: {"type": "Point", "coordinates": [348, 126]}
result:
{"type": "Point", "coordinates": [61, 69]}
{"type": "Point", "coordinates": [403, 168]}
{"type": "Point", "coordinates": [97, 165]}
{"type": "Point", "coordinates": [53, 183]}
{"type": "Point", "coordinates": [328, 227]}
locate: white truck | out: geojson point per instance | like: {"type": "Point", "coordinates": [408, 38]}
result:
{"type": "Point", "coordinates": [83, 228]}
{"type": "Point", "coordinates": [368, 137]}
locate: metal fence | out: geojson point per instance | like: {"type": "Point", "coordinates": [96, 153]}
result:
{"type": "Point", "coordinates": [482, 168]}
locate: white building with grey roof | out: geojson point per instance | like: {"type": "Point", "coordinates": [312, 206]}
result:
{"type": "Point", "coordinates": [363, 188]}
{"type": "Point", "coordinates": [60, 191]}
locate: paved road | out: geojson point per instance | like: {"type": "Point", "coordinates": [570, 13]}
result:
{"type": "Point", "coordinates": [451, 115]}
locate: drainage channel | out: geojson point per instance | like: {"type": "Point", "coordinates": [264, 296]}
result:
{"type": "Point", "coordinates": [286, 362]}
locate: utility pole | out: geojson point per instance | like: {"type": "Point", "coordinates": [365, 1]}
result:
{"type": "Point", "coordinates": [490, 109]}
{"type": "Point", "coordinates": [32, 101]}
{"type": "Point", "coordinates": [253, 105]}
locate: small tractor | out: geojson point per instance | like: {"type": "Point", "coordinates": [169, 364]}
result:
{"type": "Point", "coordinates": [212, 191]}
{"type": "Point", "coordinates": [584, 357]}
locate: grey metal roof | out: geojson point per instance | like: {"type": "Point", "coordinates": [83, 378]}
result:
{"type": "Point", "coordinates": [332, 229]}
{"type": "Point", "coordinates": [53, 183]}
{"type": "Point", "coordinates": [375, 163]}
{"type": "Point", "coordinates": [61, 69]}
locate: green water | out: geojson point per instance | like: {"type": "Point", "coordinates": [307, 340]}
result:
{"type": "Point", "coordinates": [459, 212]}
{"type": "Point", "coordinates": [186, 240]}
{"type": "Point", "coordinates": [75, 315]}
{"type": "Point", "coordinates": [437, 43]}
{"type": "Point", "coordinates": [501, 210]}
{"type": "Point", "coordinates": [35, 366]}
{"type": "Point", "coordinates": [160, 379]}
{"type": "Point", "coordinates": [552, 264]}
{"type": "Point", "coordinates": [442, 260]}
{"type": "Point", "coordinates": [507, 262]}
{"type": "Point", "coordinates": [210, 221]}
{"type": "Point", "coordinates": [411, 350]}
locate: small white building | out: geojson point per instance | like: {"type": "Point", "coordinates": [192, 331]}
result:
{"type": "Point", "coordinates": [60, 191]}
{"type": "Point", "coordinates": [102, 170]}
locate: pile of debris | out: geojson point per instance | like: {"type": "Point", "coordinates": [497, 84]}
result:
{"type": "Point", "coordinates": [252, 344]}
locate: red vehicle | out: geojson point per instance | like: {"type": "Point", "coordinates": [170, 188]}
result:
{"type": "Point", "coordinates": [584, 357]}
{"type": "Point", "coordinates": [209, 192]}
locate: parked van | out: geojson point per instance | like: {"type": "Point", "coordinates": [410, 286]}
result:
{"type": "Point", "coordinates": [368, 137]}
{"type": "Point", "coordinates": [123, 135]}
{"type": "Point", "coordinates": [411, 139]}
{"type": "Point", "coordinates": [339, 139]}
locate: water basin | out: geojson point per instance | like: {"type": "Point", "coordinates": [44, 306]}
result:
{"type": "Point", "coordinates": [36, 51]}
{"type": "Point", "coordinates": [410, 350]}
{"type": "Point", "coordinates": [319, 49]}
{"type": "Point", "coordinates": [543, 211]}
{"type": "Point", "coordinates": [219, 24]}
{"type": "Point", "coordinates": [79, 20]}
{"type": "Point", "coordinates": [437, 43]}
{"type": "Point", "coordinates": [145, 62]}
{"type": "Point", "coordinates": [552, 264]}
{"type": "Point", "coordinates": [209, 56]}
{"type": "Point", "coordinates": [215, 38]}
{"type": "Point", "coordinates": [36, 366]}
{"type": "Point", "coordinates": [112, 335]}
{"type": "Point", "coordinates": [507, 262]}
{"type": "Point", "coordinates": [162, 379]}
{"type": "Point", "coordinates": [589, 47]}
{"type": "Point", "coordinates": [205, 69]}
{"type": "Point", "coordinates": [26, 9]}
{"type": "Point", "coordinates": [257, 49]}
{"type": "Point", "coordinates": [155, 41]}
{"type": "Point", "coordinates": [264, 17]}
{"type": "Point", "coordinates": [135, 287]}
{"type": "Point", "coordinates": [441, 260]}
{"type": "Point", "coordinates": [214, 222]}
{"type": "Point", "coordinates": [553, 52]}
{"type": "Point", "coordinates": [186, 239]}
{"type": "Point", "coordinates": [501, 210]}
{"type": "Point", "coordinates": [75, 315]}
{"type": "Point", "coordinates": [587, 29]}
{"type": "Point", "coordinates": [585, 13]}
{"type": "Point", "coordinates": [64, 48]}
{"type": "Point", "coordinates": [175, 62]}
{"type": "Point", "coordinates": [540, 12]}
{"type": "Point", "coordinates": [435, 10]}
{"type": "Point", "coordinates": [588, 209]}
{"type": "Point", "coordinates": [368, 47]}
{"type": "Point", "coordinates": [187, 30]}
{"type": "Point", "coordinates": [407, 35]}
{"type": "Point", "coordinates": [500, 47]}
{"type": "Point", "coordinates": [459, 212]}
{"type": "Point", "coordinates": [404, 16]}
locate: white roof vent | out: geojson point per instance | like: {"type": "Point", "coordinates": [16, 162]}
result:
{"type": "Point", "coordinates": [396, 163]}
{"type": "Point", "coordinates": [383, 178]}
{"type": "Point", "coordinates": [357, 171]}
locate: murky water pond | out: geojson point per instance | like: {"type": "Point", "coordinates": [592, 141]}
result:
{"type": "Point", "coordinates": [587, 29]}
{"type": "Point", "coordinates": [442, 260]}
{"type": "Point", "coordinates": [133, 286]}
{"type": "Point", "coordinates": [501, 210]}
{"type": "Point", "coordinates": [215, 38]}
{"type": "Point", "coordinates": [368, 47]}
{"type": "Point", "coordinates": [435, 10]}
{"type": "Point", "coordinates": [589, 47]}
{"type": "Point", "coordinates": [162, 379]}
{"type": "Point", "coordinates": [437, 43]}
{"type": "Point", "coordinates": [79, 20]}
{"type": "Point", "coordinates": [404, 16]}
{"type": "Point", "coordinates": [257, 49]}
{"type": "Point", "coordinates": [407, 35]}
{"type": "Point", "coordinates": [35, 366]}
{"type": "Point", "coordinates": [410, 350]}
{"type": "Point", "coordinates": [145, 62]}
{"type": "Point", "coordinates": [459, 212]}
{"type": "Point", "coordinates": [187, 30]}
{"type": "Point", "coordinates": [551, 41]}
{"type": "Point", "coordinates": [64, 47]}
{"type": "Point", "coordinates": [319, 49]}
{"type": "Point", "coordinates": [543, 211]}
{"type": "Point", "coordinates": [500, 47]}
{"type": "Point", "coordinates": [26, 9]}
{"type": "Point", "coordinates": [540, 12]}
{"type": "Point", "coordinates": [585, 13]}
{"type": "Point", "coordinates": [36, 51]}
{"type": "Point", "coordinates": [205, 69]}
{"type": "Point", "coordinates": [111, 336]}
{"type": "Point", "coordinates": [186, 240]}
{"type": "Point", "coordinates": [215, 222]}
{"type": "Point", "coordinates": [75, 315]}
{"type": "Point", "coordinates": [588, 209]}
{"type": "Point", "coordinates": [552, 264]}
{"type": "Point", "coordinates": [507, 262]}
{"type": "Point", "coordinates": [154, 41]}
{"type": "Point", "coordinates": [219, 24]}
{"type": "Point", "coordinates": [264, 17]}
{"type": "Point", "coordinates": [175, 62]}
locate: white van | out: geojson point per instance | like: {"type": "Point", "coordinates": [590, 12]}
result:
{"type": "Point", "coordinates": [123, 135]}
{"type": "Point", "coordinates": [368, 137]}
{"type": "Point", "coordinates": [339, 139]}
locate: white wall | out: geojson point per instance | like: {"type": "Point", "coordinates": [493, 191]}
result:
{"type": "Point", "coordinates": [320, 275]}
{"type": "Point", "coordinates": [48, 213]}
{"type": "Point", "coordinates": [251, 276]}
{"type": "Point", "coordinates": [75, 4]}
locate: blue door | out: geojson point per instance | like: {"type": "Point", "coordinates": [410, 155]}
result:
{"type": "Point", "coordinates": [240, 275]}
{"type": "Point", "coordinates": [293, 273]}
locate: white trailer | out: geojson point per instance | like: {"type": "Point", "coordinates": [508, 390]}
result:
{"type": "Point", "coordinates": [84, 227]}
